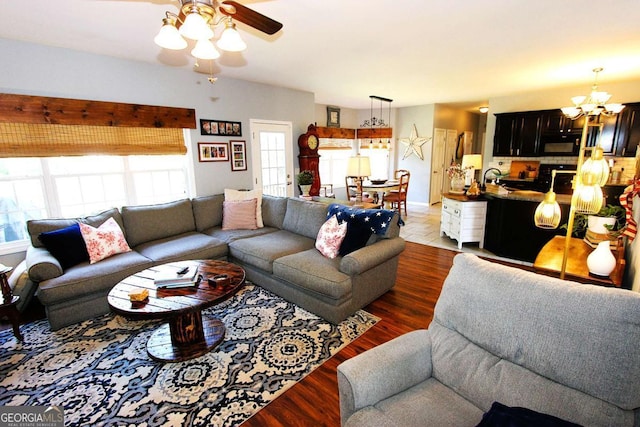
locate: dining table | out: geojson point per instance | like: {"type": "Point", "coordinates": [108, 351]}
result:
{"type": "Point", "coordinates": [380, 189]}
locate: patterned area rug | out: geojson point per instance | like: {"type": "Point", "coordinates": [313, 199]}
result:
{"type": "Point", "coordinates": [100, 373]}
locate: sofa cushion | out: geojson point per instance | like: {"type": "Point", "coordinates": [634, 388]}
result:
{"type": "Point", "coordinates": [207, 211]}
{"type": "Point", "coordinates": [273, 210]}
{"type": "Point", "coordinates": [88, 279]}
{"type": "Point", "coordinates": [428, 403]}
{"type": "Point", "coordinates": [315, 273]}
{"type": "Point", "coordinates": [66, 245]}
{"type": "Point", "coordinates": [104, 241]}
{"type": "Point", "coordinates": [239, 215]}
{"type": "Point", "coordinates": [304, 218]}
{"type": "Point", "coordinates": [191, 245]}
{"type": "Point", "coordinates": [330, 237]}
{"type": "Point", "coordinates": [37, 226]}
{"type": "Point", "coordinates": [152, 222]}
{"type": "Point", "coordinates": [261, 251]}
{"type": "Point", "coordinates": [229, 236]}
{"type": "Point", "coordinates": [231, 195]}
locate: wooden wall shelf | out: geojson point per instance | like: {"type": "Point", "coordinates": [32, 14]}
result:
{"type": "Point", "coordinates": [63, 111]}
{"type": "Point", "coordinates": [346, 133]}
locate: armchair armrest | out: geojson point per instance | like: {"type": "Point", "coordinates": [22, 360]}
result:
{"type": "Point", "coordinates": [41, 265]}
{"type": "Point", "coordinates": [372, 255]}
{"type": "Point", "coordinates": [383, 371]}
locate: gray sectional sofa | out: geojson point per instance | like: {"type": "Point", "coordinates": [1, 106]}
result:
{"type": "Point", "coordinates": [501, 334]}
{"type": "Point", "coordinates": [280, 256]}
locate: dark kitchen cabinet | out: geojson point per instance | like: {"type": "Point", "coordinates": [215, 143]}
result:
{"type": "Point", "coordinates": [517, 134]}
{"type": "Point", "coordinates": [627, 135]}
{"type": "Point", "coordinates": [510, 231]}
{"type": "Point", "coordinates": [555, 122]}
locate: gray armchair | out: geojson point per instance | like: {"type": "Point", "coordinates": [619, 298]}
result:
{"type": "Point", "coordinates": [501, 334]}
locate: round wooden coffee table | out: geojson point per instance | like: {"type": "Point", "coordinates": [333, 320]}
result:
{"type": "Point", "coordinates": [186, 335]}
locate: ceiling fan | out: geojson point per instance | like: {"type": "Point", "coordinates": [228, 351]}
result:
{"type": "Point", "coordinates": [196, 20]}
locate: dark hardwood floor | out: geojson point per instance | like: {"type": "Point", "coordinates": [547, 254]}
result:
{"type": "Point", "coordinates": [408, 306]}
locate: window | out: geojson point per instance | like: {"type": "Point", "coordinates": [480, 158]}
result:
{"type": "Point", "coordinates": [33, 188]}
{"type": "Point", "coordinates": [334, 159]}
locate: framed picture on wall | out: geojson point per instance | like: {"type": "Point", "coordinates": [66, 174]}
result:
{"type": "Point", "coordinates": [213, 151]}
{"type": "Point", "coordinates": [220, 127]}
{"type": "Point", "coordinates": [238, 155]}
{"type": "Point", "coordinates": [333, 117]}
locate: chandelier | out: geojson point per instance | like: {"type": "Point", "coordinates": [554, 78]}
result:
{"type": "Point", "coordinates": [197, 20]}
{"type": "Point", "coordinates": [594, 104]}
{"type": "Point", "coordinates": [378, 122]}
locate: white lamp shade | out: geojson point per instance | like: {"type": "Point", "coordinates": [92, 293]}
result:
{"type": "Point", "coordinates": [169, 38]}
{"type": "Point", "coordinates": [204, 49]}
{"type": "Point", "coordinates": [230, 40]}
{"type": "Point", "coordinates": [472, 160]}
{"type": "Point", "coordinates": [359, 166]}
{"type": "Point", "coordinates": [195, 27]}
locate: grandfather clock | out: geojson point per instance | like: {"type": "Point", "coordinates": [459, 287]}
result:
{"type": "Point", "coordinates": [309, 159]}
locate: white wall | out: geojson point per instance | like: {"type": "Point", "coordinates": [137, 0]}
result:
{"type": "Point", "coordinates": [405, 118]}
{"type": "Point", "coordinates": [47, 71]}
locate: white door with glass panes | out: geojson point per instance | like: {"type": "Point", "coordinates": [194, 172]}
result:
{"type": "Point", "coordinates": [272, 157]}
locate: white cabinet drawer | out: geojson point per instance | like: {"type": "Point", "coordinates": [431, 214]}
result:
{"type": "Point", "coordinates": [463, 221]}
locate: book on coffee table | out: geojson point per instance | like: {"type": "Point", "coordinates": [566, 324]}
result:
{"type": "Point", "coordinates": [176, 275]}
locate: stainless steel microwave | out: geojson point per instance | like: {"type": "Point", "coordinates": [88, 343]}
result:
{"type": "Point", "coordinates": [564, 145]}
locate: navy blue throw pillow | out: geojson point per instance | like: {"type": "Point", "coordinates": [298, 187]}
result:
{"type": "Point", "coordinates": [505, 416]}
{"type": "Point", "coordinates": [361, 224]}
{"type": "Point", "coordinates": [66, 245]}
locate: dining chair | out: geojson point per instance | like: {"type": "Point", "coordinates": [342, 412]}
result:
{"type": "Point", "coordinates": [351, 187]}
{"type": "Point", "coordinates": [399, 197]}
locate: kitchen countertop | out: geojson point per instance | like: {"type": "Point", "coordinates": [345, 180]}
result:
{"type": "Point", "coordinates": [524, 195]}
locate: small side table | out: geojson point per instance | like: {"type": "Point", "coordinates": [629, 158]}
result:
{"type": "Point", "coordinates": [9, 302]}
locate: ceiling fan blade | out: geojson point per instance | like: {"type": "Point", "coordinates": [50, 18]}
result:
{"type": "Point", "coordinates": [250, 17]}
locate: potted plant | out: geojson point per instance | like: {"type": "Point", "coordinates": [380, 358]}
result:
{"type": "Point", "coordinates": [610, 220]}
{"type": "Point", "coordinates": [305, 179]}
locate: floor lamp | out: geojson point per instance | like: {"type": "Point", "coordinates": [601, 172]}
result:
{"type": "Point", "coordinates": [591, 174]}
{"type": "Point", "coordinates": [358, 167]}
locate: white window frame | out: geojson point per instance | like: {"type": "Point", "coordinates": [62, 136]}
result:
{"type": "Point", "coordinates": [52, 203]}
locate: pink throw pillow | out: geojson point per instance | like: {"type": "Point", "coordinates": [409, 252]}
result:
{"type": "Point", "coordinates": [330, 237]}
{"type": "Point", "coordinates": [239, 214]}
{"type": "Point", "coordinates": [104, 241]}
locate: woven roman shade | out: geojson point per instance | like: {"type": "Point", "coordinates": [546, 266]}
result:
{"type": "Point", "coordinates": [35, 126]}
{"type": "Point", "coordinates": [45, 140]}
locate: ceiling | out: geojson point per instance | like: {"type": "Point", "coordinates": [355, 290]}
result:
{"type": "Point", "coordinates": [415, 52]}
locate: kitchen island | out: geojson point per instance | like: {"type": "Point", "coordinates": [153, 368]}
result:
{"type": "Point", "coordinates": [510, 231]}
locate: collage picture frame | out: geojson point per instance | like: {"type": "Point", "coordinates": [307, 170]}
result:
{"type": "Point", "coordinates": [213, 152]}
{"type": "Point", "coordinates": [238, 155]}
{"type": "Point", "coordinates": [220, 128]}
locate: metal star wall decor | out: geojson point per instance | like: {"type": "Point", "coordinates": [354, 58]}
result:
{"type": "Point", "coordinates": [414, 144]}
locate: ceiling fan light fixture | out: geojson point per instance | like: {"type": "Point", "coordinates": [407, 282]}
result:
{"type": "Point", "coordinates": [204, 49]}
{"type": "Point", "coordinates": [168, 37]}
{"type": "Point", "coordinates": [230, 39]}
{"type": "Point", "coordinates": [195, 26]}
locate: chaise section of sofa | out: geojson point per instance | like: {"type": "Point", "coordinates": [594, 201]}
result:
{"type": "Point", "coordinates": [287, 263]}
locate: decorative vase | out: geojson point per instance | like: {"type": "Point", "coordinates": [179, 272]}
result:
{"type": "Point", "coordinates": [601, 261]}
{"type": "Point", "coordinates": [457, 185]}
{"type": "Point", "coordinates": [305, 189]}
